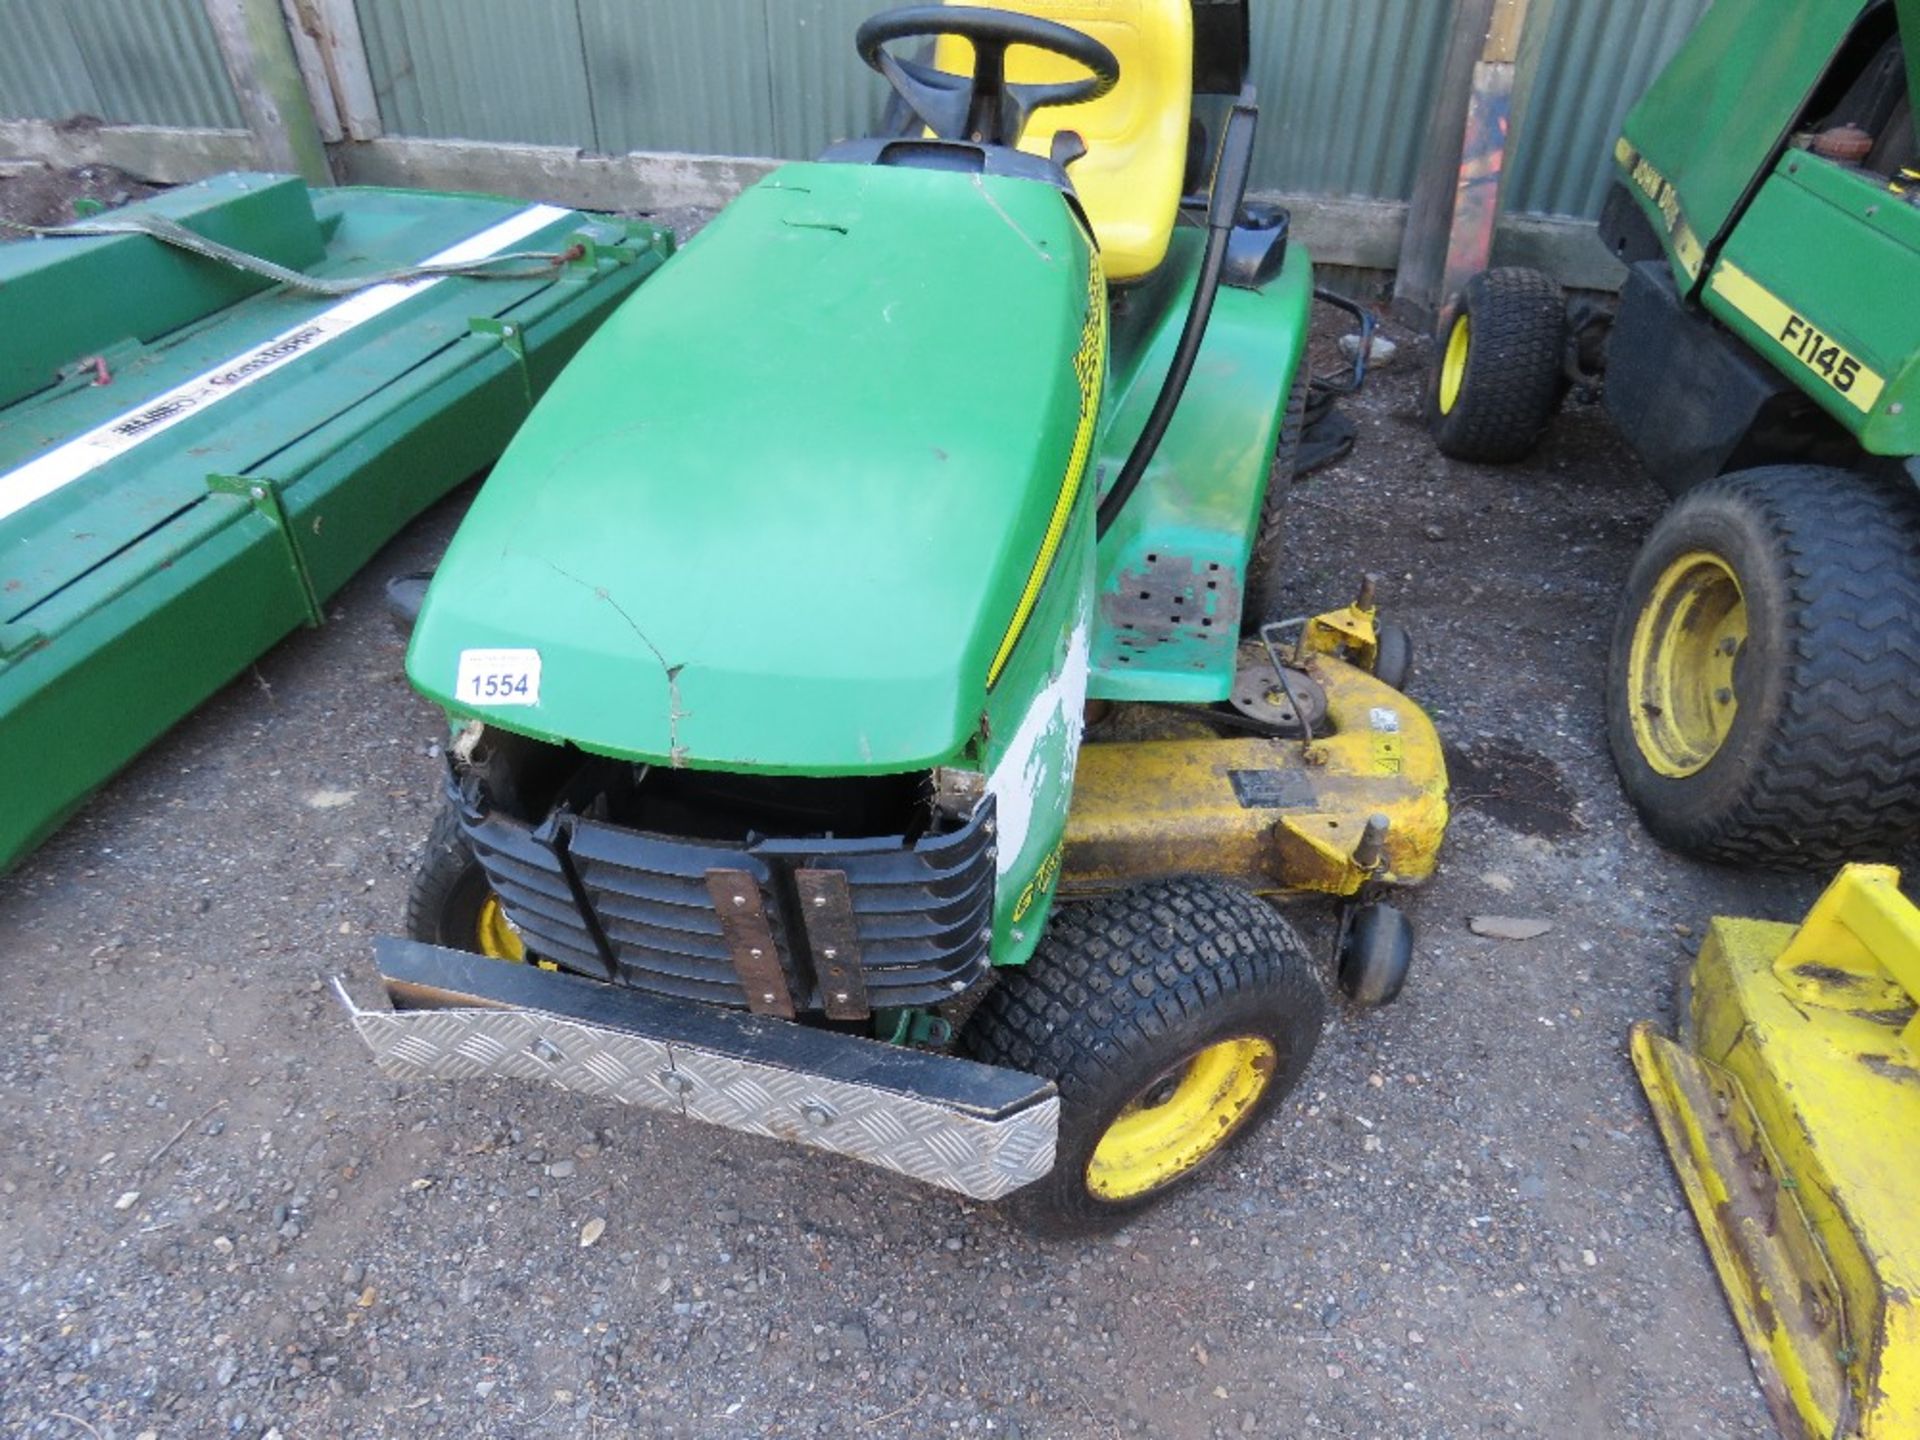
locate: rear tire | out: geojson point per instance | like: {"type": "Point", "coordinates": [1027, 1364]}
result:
{"type": "Point", "coordinates": [1784, 734]}
{"type": "Point", "coordinates": [1124, 997]}
{"type": "Point", "coordinates": [1497, 377]}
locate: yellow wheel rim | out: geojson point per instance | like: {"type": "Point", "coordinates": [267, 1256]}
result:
{"type": "Point", "coordinates": [1686, 642]}
{"type": "Point", "coordinates": [1453, 365]}
{"type": "Point", "coordinates": [1179, 1120]}
{"type": "Point", "coordinates": [494, 933]}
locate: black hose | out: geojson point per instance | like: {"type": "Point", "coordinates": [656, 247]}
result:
{"type": "Point", "coordinates": [1223, 208]}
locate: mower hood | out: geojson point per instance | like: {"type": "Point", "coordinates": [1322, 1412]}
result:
{"type": "Point", "coordinates": [778, 514]}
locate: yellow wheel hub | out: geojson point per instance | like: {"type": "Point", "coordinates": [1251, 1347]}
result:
{"type": "Point", "coordinates": [1686, 640]}
{"type": "Point", "coordinates": [494, 934]}
{"type": "Point", "coordinates": [1453, 365]}
{"type": "Point", "coordinates": [1180, 1119]}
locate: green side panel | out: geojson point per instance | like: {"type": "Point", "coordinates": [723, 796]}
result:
{"type": "Point", "coordinates": [1168, 621]}
{"type": "Point", "coordinates": [1711, 120]}
{"type": "Point", "coordinates": [136, 588]}
{"type": "Point", "coordinates": [122, 288]}
{"type": "Point", "coordinates": [1909, 12]}
{"type": "Point", "coordinates": [1862, 295]}
{"type": "Point", "coordinates": [778, 514]}
{"type": "Point", "coordinates": [1035, 718]}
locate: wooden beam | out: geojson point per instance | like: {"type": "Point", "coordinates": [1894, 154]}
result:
{"type": "Point", "coordinates": [333, 58]}
{"type": "Point", "coordinates": [1339, 231]}
{"type": "Point", "coordinates": [259, 56]}
{"type": "Point", "coordinates": [147, 152]}
{"type": "Point", "coordinates": [1423, 250]}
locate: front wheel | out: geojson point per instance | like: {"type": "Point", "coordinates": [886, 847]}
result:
{"type": "Point", "coordinates": [1764, 678]}
{"type": "Point", "coordinates": [1173, 1016]}
{"type": "Point", "coordinates": [451, 903]}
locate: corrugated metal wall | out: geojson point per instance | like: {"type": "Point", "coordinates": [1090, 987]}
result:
{"type": "Point", "coordinates": [129, 62]}
{"type": "Point", "coordinates": [1345, 90]}
{"type": "Point", "coordinates": [1345, 84]}
{"type": "Point", "coordinates": [1600, 54]}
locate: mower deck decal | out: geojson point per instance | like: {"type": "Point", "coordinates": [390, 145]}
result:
{"type": "Point", "coordinates": [1089, 368]}
{"type": "Point", "coordinates": [1800, 337]}
{"type": "Point", "coordinates": [86, 453]}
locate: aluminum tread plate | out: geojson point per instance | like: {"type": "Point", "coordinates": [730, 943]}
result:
{"type": "Point", "coordinates": [981, 1154]}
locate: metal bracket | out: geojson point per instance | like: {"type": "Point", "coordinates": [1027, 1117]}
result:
{"type": "Point", "coordinates": [264, 496]}
{"type": "Point", "coordinates": [833, 936]}
{"type": "Point", "coordinates": [512, 338]}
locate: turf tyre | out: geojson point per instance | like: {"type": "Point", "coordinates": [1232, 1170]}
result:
{"type": "Point", "coordinates": [1821, 764]}
{"type": "Point", "coordinates": [1123, 987]}
{"type": "Point", "coordinates": [1513, 380]}
{"type": "Point", "coordinates": [449, 888]}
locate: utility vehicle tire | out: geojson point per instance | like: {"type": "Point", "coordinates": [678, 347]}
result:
{"type": "Point", "coordinates": [450, 902]}
{"type": "Point", "coordinates": [1764, 679]}
{"type": "Point", "coordinates": [1393, 655]}
{"type": "Point", "coordinates": [1173, 1016]}
{"type": "Point", "coordinates": [1261, 601]}
{"type": "Point", "coordinates": [1497, 376]}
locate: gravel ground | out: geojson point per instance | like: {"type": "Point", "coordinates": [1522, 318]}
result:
{"type": "Point", "coordinates": [216, 1217]}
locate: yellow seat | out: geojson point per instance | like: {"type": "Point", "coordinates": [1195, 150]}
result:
{"type": "Point", "coordinates": [1136, 136]}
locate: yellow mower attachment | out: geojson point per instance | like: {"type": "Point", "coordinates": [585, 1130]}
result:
{"type": "Point", "coordinates": [1363, 802]}
{"type": "Point", "coordinates": [1791, 1108]}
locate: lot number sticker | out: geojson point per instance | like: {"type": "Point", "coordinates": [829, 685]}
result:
{"type": "Point", "coordinates": [499, 677]}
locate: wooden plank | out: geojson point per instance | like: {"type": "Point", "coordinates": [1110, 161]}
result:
{"type": "Point", "coordinates": [253, 40]}
{"type": "Point", "coordinates": [302, 31]}
{"type": "Point", "coordinates": [149, 152]}
{"type": "Point", "coordinates": [334, 26]}
{"type": "Point", "coordinates": [1423, 249]}
{"type": "Point", "coordinates": [1493, 117]}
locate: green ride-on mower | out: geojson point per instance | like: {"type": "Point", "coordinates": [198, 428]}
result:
{"type": "Point", "coordinates": [1763, 696]}
{"type": "Point", "coordinates": [771, 645]}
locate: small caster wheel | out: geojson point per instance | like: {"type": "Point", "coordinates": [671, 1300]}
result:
{"type": "Point", "coordinates": [1375, 954]}
{"type": "Point", "coordinates": [1393, 656]}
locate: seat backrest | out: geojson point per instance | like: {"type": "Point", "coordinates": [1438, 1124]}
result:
{"type": "Point", "coordinates": [1136, 135]}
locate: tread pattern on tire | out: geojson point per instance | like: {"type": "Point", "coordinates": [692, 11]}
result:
{"type": "Point", "coordinates": [1511, 389]}
{"type": "Point", "coordinates": [444, 861]}
{"type": "Point", "coordinates": [1116, 976]}
{"type": "Point", "coordinates": [1838, 778]}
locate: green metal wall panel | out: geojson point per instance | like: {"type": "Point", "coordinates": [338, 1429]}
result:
{"type": "Point", "coordinates": [129, 62]}
{"type": "Point", "coordinates": [513, 70]}
{"type": "Point", "coordinates": [1600, 55]}
{"type": "Point", "coordinates": [1346, 87]}
{"type": "Point", "coordinates": [667, 75]}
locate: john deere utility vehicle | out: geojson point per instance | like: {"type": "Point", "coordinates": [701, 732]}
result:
{"type": "Point", "coordinates": [771, 643]}
{"type": "Point", "coordinates": [1764, 361]}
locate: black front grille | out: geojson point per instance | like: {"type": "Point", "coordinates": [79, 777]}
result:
{"type": "Point", "coordinates": [581, 890]}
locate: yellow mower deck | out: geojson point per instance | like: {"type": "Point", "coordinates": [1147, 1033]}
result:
{"type": "Point", "coordinates": [1791, 1109]}
{"type": "Point", "coordinates": [1275, 814]}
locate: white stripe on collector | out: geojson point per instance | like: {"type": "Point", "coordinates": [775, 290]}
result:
{"type": "Point", "coordinates": [79, 456]}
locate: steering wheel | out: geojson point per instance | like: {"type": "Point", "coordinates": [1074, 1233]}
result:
{"type": "Point", "coordinates": [982, 107]}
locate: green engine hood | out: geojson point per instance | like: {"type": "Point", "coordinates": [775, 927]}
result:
{"type": "Point", "coordinates": [777, 514]}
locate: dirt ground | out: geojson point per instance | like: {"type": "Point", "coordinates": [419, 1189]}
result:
{"type": "Point", "coordinates": [34, 194]}
{"type": "Point", "coordinates": [216, 1217]}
